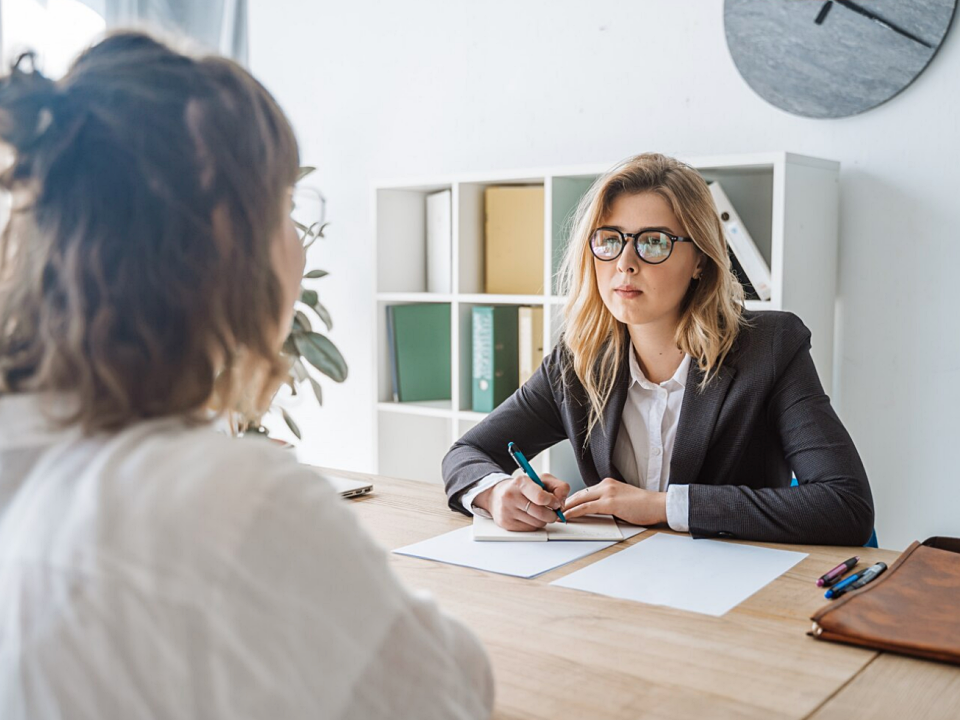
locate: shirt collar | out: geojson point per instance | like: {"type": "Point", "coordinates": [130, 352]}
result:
{"type": "Point", "coordinates": [679, 379]}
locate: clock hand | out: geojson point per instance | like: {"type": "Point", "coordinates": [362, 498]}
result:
{"type": "Point", "coordinates": [822, 15]}
{"type": "Point", "coordinates": [877, 19]}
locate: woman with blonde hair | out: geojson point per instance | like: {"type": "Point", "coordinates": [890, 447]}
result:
{"type": "Point", "coordinates": [151, 567]}
{"type": "Point", "coordinates": [682, 407]}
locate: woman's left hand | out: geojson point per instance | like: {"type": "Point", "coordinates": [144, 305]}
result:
{"type": "Point", "coordinates": [612, 497]}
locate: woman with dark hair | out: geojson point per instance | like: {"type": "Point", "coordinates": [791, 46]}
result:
{"type": "Point", "coordinates": [149, 566]}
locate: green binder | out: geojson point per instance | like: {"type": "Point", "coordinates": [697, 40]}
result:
{"type": "Point", "coordinates": [419, 337]}
{"type": "Point", "coordinates": [496, 356]}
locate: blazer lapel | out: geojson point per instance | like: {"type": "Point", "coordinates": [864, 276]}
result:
{"type": "Point", "coordinates": [604, 439]}
{"type": "Point", "coordinates": [698, 416]}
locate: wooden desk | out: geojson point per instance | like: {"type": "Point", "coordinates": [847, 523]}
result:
{"type": "Point", "coordinates": [559, 653]}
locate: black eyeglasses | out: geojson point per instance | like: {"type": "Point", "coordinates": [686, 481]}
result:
{"type": "Point", "coordinates": [653, 246]}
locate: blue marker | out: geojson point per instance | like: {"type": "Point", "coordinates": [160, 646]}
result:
{"type": "Point", "coordinates": [841, 587]}
{"type": "Point", "coordinates": [520, 460]}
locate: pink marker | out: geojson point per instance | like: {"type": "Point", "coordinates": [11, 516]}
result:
{"type": "Point", "coordinates": [832, 576]}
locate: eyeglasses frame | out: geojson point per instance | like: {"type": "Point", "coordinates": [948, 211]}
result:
{"type": "Point", "coordinates": [674, 239]}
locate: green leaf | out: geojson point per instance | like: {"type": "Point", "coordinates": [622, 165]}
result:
{"type": "Point", "coordinates": [312, 299]}
{"type": "Point", "coordinates": [289, 347]}
{"type": "Point", "coordinates": [324, 315]}
{"type": "Point", "coordinates": [290, 423]}
{"type": "Point", "coordinates": [304, 171]}
{"type": "Point", "coordinates": [320, 352]}
{"type": "Point", "coordinates": [299, 371]}
{"type": "Point", "coordinates": [314, 274]}
{"type": "Point", "coordinates": [316, 391]}
{"type": "Point", "coordinates": [309, 297]}
{"type": "Point", "coordinates": [302, 319]}
{"type": "Point", "coordinates": [312, 234]}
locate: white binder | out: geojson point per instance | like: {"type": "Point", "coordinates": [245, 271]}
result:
{"type": "Point", "coordinates": [439, 242]}
{"type": "Point", "coordinates": [743, 246]}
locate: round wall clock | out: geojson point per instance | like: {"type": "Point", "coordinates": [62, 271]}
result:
{"type": "Point", "coordinates": [833, 58]}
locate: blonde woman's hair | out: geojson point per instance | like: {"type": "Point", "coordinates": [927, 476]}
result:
{"type": "Point", "coordinates": [711, 311]}
{"type": "Point", "coordinates": [135, 272]}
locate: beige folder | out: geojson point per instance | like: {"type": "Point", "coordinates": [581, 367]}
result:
{"type": "Point", "coordinates": [514, 239]}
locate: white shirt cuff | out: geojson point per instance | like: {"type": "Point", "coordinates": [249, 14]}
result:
{"type": "Point", "coordinates": [478, 487]}
{"type": "Point", "coordinates": [678, 507]}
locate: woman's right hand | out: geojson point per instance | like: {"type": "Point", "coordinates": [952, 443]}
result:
{"type": "Point", "coordinates": [520, 504]}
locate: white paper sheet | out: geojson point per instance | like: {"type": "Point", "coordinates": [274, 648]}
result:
{"type": "Point", "coordinates": [520, 559]}
{"type": "Point", "coordinates": [590, 527]}
{"type": "Point", "coordinates": [703, 576]}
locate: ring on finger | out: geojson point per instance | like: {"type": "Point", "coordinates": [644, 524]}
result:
{"type": "Point", "coordinates": [528, 506]}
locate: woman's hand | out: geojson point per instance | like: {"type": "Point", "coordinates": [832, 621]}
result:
{"type": "Point", "coordinates": [520, 504]}
{"type": "Point", "coordinates": [612, 497]}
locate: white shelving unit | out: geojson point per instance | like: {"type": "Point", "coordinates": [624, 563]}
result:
{"type": "Point", "coordinates": [788, 202]}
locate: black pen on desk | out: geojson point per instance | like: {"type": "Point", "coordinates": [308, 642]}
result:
{"type": "Point", "coordinates": [868, 575]}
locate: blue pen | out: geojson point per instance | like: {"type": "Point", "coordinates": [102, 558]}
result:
{"type": "Point", "coordinates": [841, 587]}
{"type": "Point", "coordinates": [520, 460]}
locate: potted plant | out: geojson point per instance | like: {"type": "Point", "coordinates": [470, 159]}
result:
{"type": "Point", "coordinates": [306, 348]}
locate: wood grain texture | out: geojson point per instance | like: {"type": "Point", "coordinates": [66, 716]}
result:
{"type": "Point", "coordinates": [558, 652]}
{"type": "Point", "coordinates": [893, 686]}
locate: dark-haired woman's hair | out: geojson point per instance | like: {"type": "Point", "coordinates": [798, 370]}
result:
{"type": "Point", "coordinates": [135, 272]}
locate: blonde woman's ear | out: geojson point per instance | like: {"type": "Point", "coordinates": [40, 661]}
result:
{"type": "Point", "coordinates": [698, 270]}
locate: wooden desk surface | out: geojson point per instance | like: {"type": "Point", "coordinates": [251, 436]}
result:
{"type": "Point", "coordinates": [558, 652]}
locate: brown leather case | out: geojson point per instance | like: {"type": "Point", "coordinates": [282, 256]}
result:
{"type": "Point", "coordinates": [913, 608]}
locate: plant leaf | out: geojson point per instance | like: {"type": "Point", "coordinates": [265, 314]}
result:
{"type": "Point", "coordinates": [304, 171]}
{"type": "Point", "coordinates": [309, 297]}
{"type": "Point", "coordinates": [290, 423]}
{"type": "Point", "coordinates": [323, 314]}
{"type": "Point", "coordinates": [289, 347]}
{"type": "Point", "coordinates": [314, 274]}
{"type": "Point", "coordinates": [304, 321]}
{"type": "Point", "coordinates": [318, 393]}
{"type": "Point", "coordinates": [320, 352]}
{"type": "Point", "coordinates": [299, 371]}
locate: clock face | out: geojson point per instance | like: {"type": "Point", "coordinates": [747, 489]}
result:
{"type": "Point", "coordinates": [833, 58]}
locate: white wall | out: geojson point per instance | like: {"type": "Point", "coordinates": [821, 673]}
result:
{"type": "Point", "coordinates": [414, 88]}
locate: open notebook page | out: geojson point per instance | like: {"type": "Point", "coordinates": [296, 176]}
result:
{"type": "Point", "coordinates": [591, 527]}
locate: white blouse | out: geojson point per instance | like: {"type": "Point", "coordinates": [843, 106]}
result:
{"type": "Point", "coordinates": [648, 429]}
{"type": "Point", "coordinates": [168, 571]}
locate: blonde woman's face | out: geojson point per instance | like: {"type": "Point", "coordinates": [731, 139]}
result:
{"type": "Point", "coordinates": [289, 260]}
{"type": "Point", "coordinates": [636, 292]}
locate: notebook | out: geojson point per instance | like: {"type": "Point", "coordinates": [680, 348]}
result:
{"type": "Point", "coordinates": [591, 527]}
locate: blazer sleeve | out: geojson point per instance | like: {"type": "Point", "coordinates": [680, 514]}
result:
{"type": "Point", "coordinates": [530, 418]}
{"type": "Point", "coordinates": [832, 505]}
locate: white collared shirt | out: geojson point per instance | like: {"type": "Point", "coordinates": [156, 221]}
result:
{"type": "Point", "coordinates": [648, 430]}
{"type": "Point", "coordinates": [167, 571]}
{"type": "Point", "coordinates": [644, 446]}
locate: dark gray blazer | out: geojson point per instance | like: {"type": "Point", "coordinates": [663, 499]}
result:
{"type": "Point", "coordinates": [764, 415]}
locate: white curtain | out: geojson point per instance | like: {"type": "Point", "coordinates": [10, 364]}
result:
{"type": "Point", "coordinates": [220, 25]}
